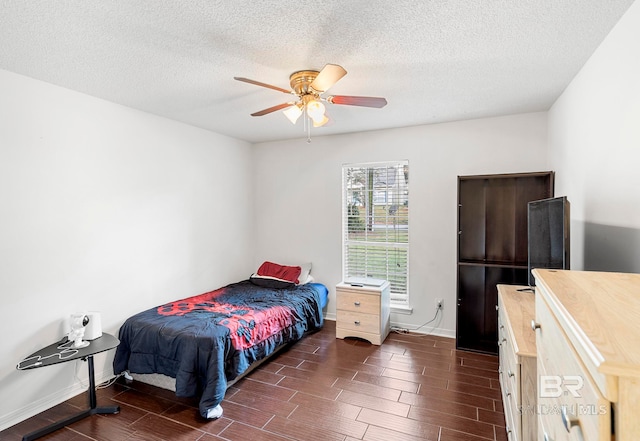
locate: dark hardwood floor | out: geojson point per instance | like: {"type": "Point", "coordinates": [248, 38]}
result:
{"type": "Point", "coordinates": [413, 387]}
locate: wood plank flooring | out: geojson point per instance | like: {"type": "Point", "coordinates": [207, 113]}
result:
{"type": "Point", "coordinates": [412, 387]}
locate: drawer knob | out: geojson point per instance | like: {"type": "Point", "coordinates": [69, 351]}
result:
{"type": "Point", "coordinates": [567, 421]}
{"type": "Point", "coordinates": [511, 374]}
{"type": "Point", "coordinates": [356, 303]}
{"type": "Point", "coordinates": [357, 322]}
{"type": "Point", "coordinates": [534, 325]}
{"type": "Point", "coordinates": [546, 437]}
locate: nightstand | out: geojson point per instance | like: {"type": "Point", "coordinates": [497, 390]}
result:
{"type": "Point", "coordinates": [363, 311]}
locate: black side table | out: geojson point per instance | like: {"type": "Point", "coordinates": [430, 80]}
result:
{"type": "Point", "coordinates": [61, 352]}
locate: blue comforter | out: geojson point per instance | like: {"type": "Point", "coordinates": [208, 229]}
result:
{"type": "Point", "coordinates": [206, 340]}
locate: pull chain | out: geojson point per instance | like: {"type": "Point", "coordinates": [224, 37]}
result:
{"type": "Point", "coordinates": [307, 125]}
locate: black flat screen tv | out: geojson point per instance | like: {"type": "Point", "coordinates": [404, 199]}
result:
{"type": "Point", "coordinates": [548, 234]}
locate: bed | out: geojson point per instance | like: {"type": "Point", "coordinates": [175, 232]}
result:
{"type": "Point", "coordinates": [208, 340]}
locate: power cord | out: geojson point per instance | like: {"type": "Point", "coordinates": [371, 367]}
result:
{"type": "Point", "coordinates": [65, 348]}
{"type": "Point", "coordinates": [108, 383]}
{"type": "Point", "coordinates": [407, 330]}
{"type": "Point", "coordinates": [103, 385]}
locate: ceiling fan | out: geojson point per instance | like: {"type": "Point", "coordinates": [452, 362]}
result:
{"type": "Point", "coordinates": [308, 87]}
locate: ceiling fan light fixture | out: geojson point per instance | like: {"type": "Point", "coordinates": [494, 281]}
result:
{"type": "Point", "coordinates": [315, 110]}
{"type": "Point", "coordinates": [293, 113]}
{"type": "Point", "coordinates": [322, 121]}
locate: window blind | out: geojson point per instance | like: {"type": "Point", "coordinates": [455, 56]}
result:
{"type": "Point", "coordinates": [376, 224]}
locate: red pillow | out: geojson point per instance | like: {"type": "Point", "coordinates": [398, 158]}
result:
{"type": "Point", "coordinates": [282, 272]}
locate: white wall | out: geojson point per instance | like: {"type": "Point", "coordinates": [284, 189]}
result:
{"type": "Point", "coordinates": [109, 209]}
{"type": "Point", "coordinates": [298, 197]}
{"type": "Point", "coordinates": [594, 139]}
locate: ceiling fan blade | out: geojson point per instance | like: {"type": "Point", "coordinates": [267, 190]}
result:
{"type": "Point", "coordinates": [272, 109]}
{"type": "Point", "coordinates": [327, 77]}
{"type": "Point", "coordinates": [258, 83]}
{"type": "Point", "coordinates": [364, 101]}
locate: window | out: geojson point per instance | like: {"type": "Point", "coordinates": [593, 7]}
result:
{"type": "Point", "coordinates": [375, 214]}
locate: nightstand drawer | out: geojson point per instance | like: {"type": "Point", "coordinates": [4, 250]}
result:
{"type": "Point", "coordinates": [358, 321]}
{"type": "Point", "coordinates": [358, 302]}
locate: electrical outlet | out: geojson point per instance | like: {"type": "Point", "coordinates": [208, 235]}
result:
{"type": "Point", "coordinates": [439, 304]}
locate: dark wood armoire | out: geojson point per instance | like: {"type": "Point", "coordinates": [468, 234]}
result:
{"type": "Point", "coordinates": [492, 248]}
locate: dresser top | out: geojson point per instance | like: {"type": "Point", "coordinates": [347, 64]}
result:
{"type": "Point", "coordinates": [600, 312]}
{"type": "Point", "coordinates": [520, 307]}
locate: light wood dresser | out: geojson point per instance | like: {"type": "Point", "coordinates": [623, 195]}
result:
{"type": "Point", "coordinates": [363, 311]}
{"type": "Point", "coordinates": [517, 353]}
{"type": "Point", "coordinates": [588, 346]}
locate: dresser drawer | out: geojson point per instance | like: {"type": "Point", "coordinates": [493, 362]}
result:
{"type": "Point", "coordinates": [358, 302]}
{"type": "Point", "coordinates": [511, 404]}
{"type": "Point", "coordinates": [551, 426]}
{"type": "Point", "coordinates": [543, 430]}
{"type": "Point", "coordinates": [509, 366]}
{"type": "Point", "coordinates": [511, 419]}
{"type": "Point", "coordinates": [565, 386]}
{"type": "Point", "coordinates": [511, 413]}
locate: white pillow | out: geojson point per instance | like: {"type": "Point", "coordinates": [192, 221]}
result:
{"type": "Point", "coordinates": [305, 274]}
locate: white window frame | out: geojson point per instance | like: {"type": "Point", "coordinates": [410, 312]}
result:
{"type": "Point", "coordinates": [400, 189]}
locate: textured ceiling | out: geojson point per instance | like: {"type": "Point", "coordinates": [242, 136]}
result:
{"type": "Point", "coordinates": [434, 60]}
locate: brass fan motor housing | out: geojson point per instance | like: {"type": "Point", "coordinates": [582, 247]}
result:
{"type": "Point", "coordinates": [301, 80]}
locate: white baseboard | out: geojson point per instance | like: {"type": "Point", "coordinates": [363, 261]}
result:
{"type": "Point", "coordinates": [47, 402]}
{"type": "Point", "coordinates": [330, 316]}
{"type": "Point", "coordinates": [425, 330]}
{"type": "Point", "coordinates": [440, 332]}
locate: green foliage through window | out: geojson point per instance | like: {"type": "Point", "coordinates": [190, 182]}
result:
{"type": "Point", "coordinates": [376, 224]}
